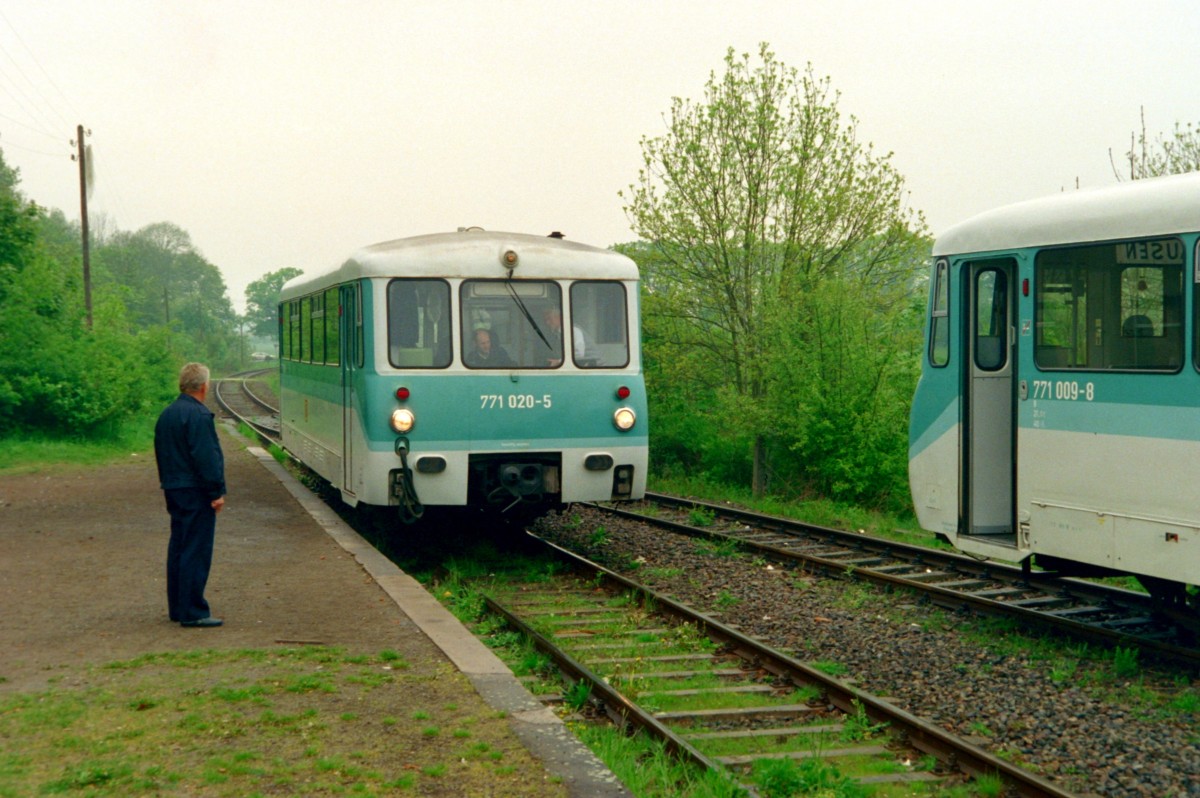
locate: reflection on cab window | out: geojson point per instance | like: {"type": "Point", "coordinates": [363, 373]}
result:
{"type": "Point", "coordinates": [599, 326]}
{"type": "Point", "coordinates": [511, 324]}
{"type": "Point", "coordinates": [939, 316]}
{"type": "Point", "coordinates": [1110, 306]}
{"type": "Point", "coordinates": [519, 324]}
{"type": "Point", "coordinates": [419, 328]}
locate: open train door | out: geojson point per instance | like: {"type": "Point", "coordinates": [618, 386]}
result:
{"type": "Point", "coordinates": [989, 416]}
{"type": "Point", "coordinates": [350, 336]}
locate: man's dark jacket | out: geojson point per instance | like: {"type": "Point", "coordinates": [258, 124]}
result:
{"type": "Point", "coordinates": [187, 449]}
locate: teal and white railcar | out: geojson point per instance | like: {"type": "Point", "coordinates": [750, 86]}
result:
{"type": "Point", "coordinates": [389, 390]}
{"type": "Point", "coordinates": [1057, 417]}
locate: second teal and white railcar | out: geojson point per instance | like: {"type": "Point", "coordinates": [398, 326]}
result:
{"type": "Point", "coordinates": [1058, 412]}
{"type": "Point", "coordinates": [468, 368]}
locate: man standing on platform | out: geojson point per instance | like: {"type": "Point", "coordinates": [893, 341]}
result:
{"type": "Point", "coordinates": [191, 470]}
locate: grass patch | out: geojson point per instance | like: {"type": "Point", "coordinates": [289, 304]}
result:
{"type": "Point", "coordinates": [33, 453]}
{"type": "Point", "coordinates": [312, 721]}
{"type": "Point", "coordinates": [821, 512]}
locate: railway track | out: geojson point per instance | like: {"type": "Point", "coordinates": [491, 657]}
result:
{"type": "Point", "coordinates": [235, 396]}
{"type": "Point", "coordinates": [1087, 611]}
{"type": "Point", "coordinates": [1083, 610]}
{"type": "Point", "coordinates": [725, 701]}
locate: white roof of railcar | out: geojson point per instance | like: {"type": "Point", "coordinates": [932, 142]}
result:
{"type": "Point", "coordinates": [471, 253]}
{"type": "Point", "coordinates": [1138, 209]}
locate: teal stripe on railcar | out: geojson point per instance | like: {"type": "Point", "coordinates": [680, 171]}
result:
{"type": "Point", "coordinates": [321, 382]}
{"type": "Point", "coordinates": [492, 411]}
{"type": "Point", "coordinates": [542, 444]}
{"type": "Point", "coordinates": [931, 419]}
{"type": "Point", "coordinates": [935, 406]}
{"type": "Point", "coordinates": [1165, 406]}
{"type": "Point", "coordinates": [1133, 420]}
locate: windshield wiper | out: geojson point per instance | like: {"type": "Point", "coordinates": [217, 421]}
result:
{"type": "Point", "coordinates": [526, 314]}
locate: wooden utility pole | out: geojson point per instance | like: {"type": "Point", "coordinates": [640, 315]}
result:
{"type": "Point", "coordinates": [83, 220]}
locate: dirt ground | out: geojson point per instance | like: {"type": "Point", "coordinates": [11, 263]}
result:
{"type": "Point", "coordinates": [82, 573]}
{"type": "Point", "coordinates": [82, 584]}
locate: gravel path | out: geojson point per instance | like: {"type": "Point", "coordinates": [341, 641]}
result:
{"type": "Point", "coordinates": [1092, 733]}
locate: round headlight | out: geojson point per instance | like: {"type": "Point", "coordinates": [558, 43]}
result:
{"type": "Point", "coordinates": [403, 420]}
{"type": "Point", "coordinates": [624, 418]}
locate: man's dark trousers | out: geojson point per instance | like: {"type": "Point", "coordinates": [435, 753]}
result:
{"type": "Point", "coordinates": [189, 554]}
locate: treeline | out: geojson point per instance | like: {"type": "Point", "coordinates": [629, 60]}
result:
{"type": "Point", "coordinates": [156, 304]}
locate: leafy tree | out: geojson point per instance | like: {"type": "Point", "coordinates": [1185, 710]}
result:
{"type": "Point", "coordinates": [753, 199]}
{"type": "Point", "coordinates": [157, 303]}
{"type": "Point", "coordinates": [57, 376]}
{"type": "Point", "coordinates": [262, 299]}
{"type": "Point", "coordinates": [19, 221]}
{"type": "Point", "coordinates": [1167, 155]}
{"type": "Point", "coordinates": [166, 281]}
{"type": "Point", "coordinates": [150, 265]}
{"type": "Point", "coordinates": [842, 397]}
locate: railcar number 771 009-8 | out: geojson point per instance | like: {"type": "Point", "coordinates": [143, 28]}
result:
{"type": "Point", "coordinates": [1063, 389]}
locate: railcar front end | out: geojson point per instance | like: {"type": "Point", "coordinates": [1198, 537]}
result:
{"type": "Point", "coordinates": [472, 368]}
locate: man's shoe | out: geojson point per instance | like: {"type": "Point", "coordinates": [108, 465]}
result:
{"type": "Point", "coordinates": [209, 621]}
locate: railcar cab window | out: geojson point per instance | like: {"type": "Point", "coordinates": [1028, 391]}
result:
{"type": "Point", "coordinates": [939, 317]}
{"type": "Point", "coordinates": [521, 318]}
{"type": "Point", "coordinates": [419, 324]}
{"type": "Point", "coordinates": [1115, 306]}
{"type": "Point", "coordinates": [599, 325]}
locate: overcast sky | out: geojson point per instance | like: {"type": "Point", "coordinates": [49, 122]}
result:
{"type": "Point", "coordinates": [290, 132]}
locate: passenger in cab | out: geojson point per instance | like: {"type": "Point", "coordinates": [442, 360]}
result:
{"type": "Point", "coordinates": [487, 354]}
{"type": "Point", "coordinates": [553, 319]}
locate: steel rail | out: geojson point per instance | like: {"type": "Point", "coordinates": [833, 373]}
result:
{"type": "Point", "coordinates": [266, 433]}
{"type": "Point", "coordinates": [619, 708]}
{"type": "Point", "coordinates": [949, 598]}
{"type": "Point", "coordinates": [920, 734]}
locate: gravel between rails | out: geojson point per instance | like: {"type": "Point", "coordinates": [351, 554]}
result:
{"type": "Point", "coordinates": [1001, 696]}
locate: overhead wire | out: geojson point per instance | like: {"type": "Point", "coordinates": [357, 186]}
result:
{"type": "Point", "coordinates": [39, 131]}
{"type": "Point", "coordinates": [45, 74]}
{"type": "Point", "coordinates": [46, 116]}
{"type": "Point", "coordinates": [4, 143]}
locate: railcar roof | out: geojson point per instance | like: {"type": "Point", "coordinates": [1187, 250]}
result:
{"type": "Point", "coordinates": [1141, 208]}
{"type": "Point", "coordinates": [471, 253]}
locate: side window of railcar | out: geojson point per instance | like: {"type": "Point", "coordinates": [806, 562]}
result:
{"type": "Point", "coordinates": [317, 301]}
{"type": "Point", "coordinates": [1196, 306]}
{"type": "Point", "coordinates": [599, 325]}
{"type": "Point", "coordinates": [359, 340]}
{"type": "Point", "coordinates": [305, 330]}
{"type": "Point", "coordinates": [290, 330]}
{"type": "Point", "coordinates": [1110, 306]}
{"type": "Point", "coordinates": [510, 324]}
{"type": "Point", "coordinates": [285, 330]}
{"type": "Point", "coordinates": [419, 324]}
{"type": "Point", "coordinates": [295, 333]}
{"type": "Point", "coordinates": [332, 318]}
{"type": "Point", "coordinates": [939, 316]}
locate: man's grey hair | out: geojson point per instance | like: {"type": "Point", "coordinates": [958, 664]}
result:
{"type": "Point", "coordinates": [192, 377]}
